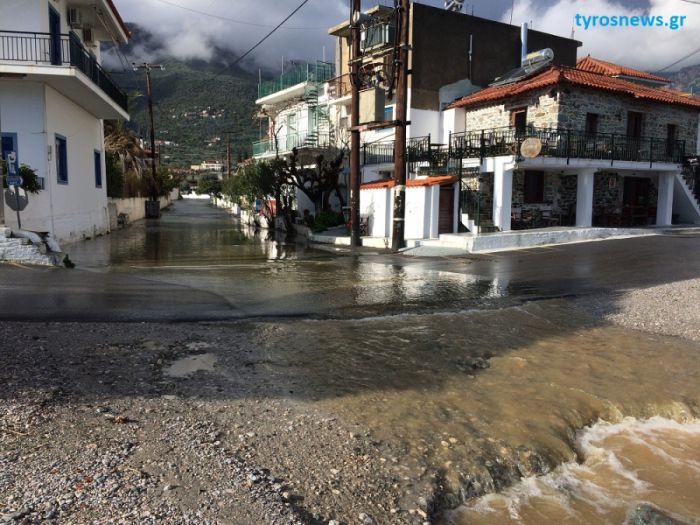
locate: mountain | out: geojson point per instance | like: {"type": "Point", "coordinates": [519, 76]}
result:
{"type": "Point", "coordinates": [195, 101]}
{"type": "Point", "coordinates": [685, 78]}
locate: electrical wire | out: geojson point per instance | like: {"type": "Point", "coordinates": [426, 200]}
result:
{"type": "Point", "coordinates": [235, 21]}
{"type": "Point", "coordinates": [679, 60]}
{"type": "Point", "coordinates": [240, 58]}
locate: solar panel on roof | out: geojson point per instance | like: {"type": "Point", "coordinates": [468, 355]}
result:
{"type": "Point", "coordinates": [534, 62]}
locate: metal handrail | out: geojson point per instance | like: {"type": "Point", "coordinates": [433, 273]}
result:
{"type": "Point", "coordinates": [565, 143]}
{"type": "Point", "coordinates": [318, 72]}
{"type": "Point", "coordinates": [40, 48]}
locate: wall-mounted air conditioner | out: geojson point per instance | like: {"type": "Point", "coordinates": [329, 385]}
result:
{"type": "Point", "coordinates": [75, 17]}
{"type": "Point", "coordinates": [378, 35]}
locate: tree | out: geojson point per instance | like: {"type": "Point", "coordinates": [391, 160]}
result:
{"type": "Point", "coordinates": [209, 184]}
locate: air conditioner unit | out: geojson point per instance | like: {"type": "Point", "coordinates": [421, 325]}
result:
{"type": "Point", "coordinates": [88, 36]}
{"type": "Point", "coordinates": [378, 35]}
{"type": "Point", "coordinates": [75, 17]}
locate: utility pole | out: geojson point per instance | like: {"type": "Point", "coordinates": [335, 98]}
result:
{"type": "Point", "coordinates": [355, 11]}
{"type": "Point", "coordinates": [397, 240]}
{"type": "Point", "coordinates": [148, 68]}
{"type": "Point", "coordinates": [229, 171]}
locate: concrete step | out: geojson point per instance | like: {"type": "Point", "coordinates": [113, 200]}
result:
{"type": "Point", "coordinates": [22, 250]}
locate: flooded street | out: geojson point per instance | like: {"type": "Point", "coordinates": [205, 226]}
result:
{"type": "Point", "coordinates": [490, 383]}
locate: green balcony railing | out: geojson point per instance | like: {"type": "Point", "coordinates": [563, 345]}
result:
{"type": "Point", "coordinates": [287, 143]}
{"type": "Point", "coordinates": [318, 72]}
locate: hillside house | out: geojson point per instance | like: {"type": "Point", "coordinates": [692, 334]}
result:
{"type": "Point", "coordinates": [54, 97]}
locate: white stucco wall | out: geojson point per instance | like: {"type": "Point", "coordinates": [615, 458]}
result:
{"type": "Point", "coordinates": [377, 206]}
{"type": "Point", "coordinates": [79, 207]}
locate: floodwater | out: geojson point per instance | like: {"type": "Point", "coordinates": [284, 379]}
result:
{"type": "Point", "coordinates": [479, 377]}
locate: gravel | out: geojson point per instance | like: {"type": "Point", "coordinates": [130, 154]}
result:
{"type": "Point", "coordinates": [668, 309]}
{"type": "Point", "coordinates": [93, 431]}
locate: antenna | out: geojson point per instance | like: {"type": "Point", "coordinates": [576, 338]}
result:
{"type": "Point", "coordinates": [454, 5]}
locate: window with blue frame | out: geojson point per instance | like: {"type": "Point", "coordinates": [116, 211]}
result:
{"type": "Point", "coordinates": [389, 113]}
{"type": "Point", "coordinates": [61, 160]}
{"type": "Point", "coordinates": [98, 169]}
{"type": "Point", "coordinates": [9, 143]}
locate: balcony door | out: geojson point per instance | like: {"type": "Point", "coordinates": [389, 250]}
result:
{"type": "Point", "coordinates": [55, 37]}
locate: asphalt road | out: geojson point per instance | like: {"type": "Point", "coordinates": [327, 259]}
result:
{"type": "Point", "coordinates": [198, 264]}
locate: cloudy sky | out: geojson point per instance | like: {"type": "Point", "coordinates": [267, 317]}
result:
{"type": "Point", "coordinates": [237, 24]}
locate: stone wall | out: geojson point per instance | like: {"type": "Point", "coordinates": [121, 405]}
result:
{"type": "Point", "coordinates": [566, 108]}
{"type": "Point", "coordinates": [612, 114]}
{"type": "Point", "coordinates": [542, 112]}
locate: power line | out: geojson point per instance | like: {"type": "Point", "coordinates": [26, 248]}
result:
{"type": "Point", "coordinates": [680, 60]}
{"type": "Point", "coordinates": [240, 58]}
{"type": "Point", "coordinates": [211, 15]}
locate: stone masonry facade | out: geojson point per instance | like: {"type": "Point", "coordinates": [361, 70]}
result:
{"type": "Point", "coordinates": [565, 107]}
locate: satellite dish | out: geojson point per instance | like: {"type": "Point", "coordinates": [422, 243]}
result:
{"type": "Point", "coordinates": [531, 147]}
{"type": "Point", "coordinates": [454, 5]}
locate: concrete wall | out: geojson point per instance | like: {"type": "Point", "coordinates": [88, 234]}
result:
{"type": "Point", "coordinates": [377, 206]}
{"type": "Point", "coordinates": [79, 207]}
{"type": "Point", "coordinates": [135, 207]}
{"type": "Point", "coordinates": [440, 41]}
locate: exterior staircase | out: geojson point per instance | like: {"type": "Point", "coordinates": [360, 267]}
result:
{"type": "Point", "coordinates": [24, 250]}
{"type": "Point", "coordinates": [686, 196]}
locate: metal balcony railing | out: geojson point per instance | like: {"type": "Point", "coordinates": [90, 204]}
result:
{"type": "Point", "coordinates": [319, 72]}
{"type": "Point", "coordinates": [58, 50]}
{"type": "Point", "coordinates": [339, 87]}
{"type": "Point", "coordinates": [287, 143]}
{"type": "Point", "coordinates": [568, 144]}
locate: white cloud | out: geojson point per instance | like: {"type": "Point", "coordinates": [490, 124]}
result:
{"type": "Point", "coordinates": [187, 35]}
{"type": "Point", "coordinates": [641, 47]}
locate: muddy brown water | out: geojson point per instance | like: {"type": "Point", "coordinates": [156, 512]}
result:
{"type": "Point", "coordinates": [514, 411]}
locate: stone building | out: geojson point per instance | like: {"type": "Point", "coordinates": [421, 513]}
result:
{"type": "Point", "coordinates": [594, 145]}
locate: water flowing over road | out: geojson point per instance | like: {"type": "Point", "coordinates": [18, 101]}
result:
{"type": "Point", "coordinates": [475, 375]}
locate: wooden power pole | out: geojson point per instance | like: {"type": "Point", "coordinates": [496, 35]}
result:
{"type": "Point", "coordinates": [355, 11]}
{"type": "Point", "coordinates": [148, 68]}
{"type": "Point", "coordinates": [399, 222]}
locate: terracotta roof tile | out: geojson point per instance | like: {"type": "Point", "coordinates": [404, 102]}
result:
{"type": "Point", "coordinates": [560, 75]}
{"type": "Point", "coordinates": [411, 183]}
{"type": "Point", "coordinates": [595, 65]}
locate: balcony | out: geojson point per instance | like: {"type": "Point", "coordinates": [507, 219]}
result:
{"type": "Point", "coordinates": [54, 59]}
{"type": "Point", "coordinates": [318, 73]}
{"type": "Point", "coordinates": [266, 148]}
{"type": "Point", "coordinates": [339, 87]}
{"type": "Point", "coordinates": [555, 143]}
{"type": "Point", "coordinates": [566, 144]}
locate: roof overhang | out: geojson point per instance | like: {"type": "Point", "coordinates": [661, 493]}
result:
{"type": "Point", "coordinates": [109, 17]}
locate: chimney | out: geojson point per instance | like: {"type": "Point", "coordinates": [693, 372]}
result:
{"type": "Point", "coordinates": [523, 44]}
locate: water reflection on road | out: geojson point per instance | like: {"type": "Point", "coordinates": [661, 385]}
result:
{"type": "Point", "coordinates": [200, 247]}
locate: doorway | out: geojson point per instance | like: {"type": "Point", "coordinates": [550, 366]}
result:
{"type": "Point", "coordinates": [55, 37]}
{"type": "Point", "coordinates": [447, 210]}
{"type": "Point", "coordinates": [637, 207]}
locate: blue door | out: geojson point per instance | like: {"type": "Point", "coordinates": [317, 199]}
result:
{"type": "Point", "coordinates": [55, 37]}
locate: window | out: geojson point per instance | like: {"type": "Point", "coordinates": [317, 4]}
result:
{"type": "Point", "coordinates": [534, 187]}
{"type": "Point", "coordinates": [98, 169]}
{"type": "Point", "coordinates": [634, 124]}
{"type": "Point", "coordinates": [591, 123]}
{"type": "Point", "coordinates": [389, 113]}
{"type": "Point", "coordinates": [61, 160]}
{"type": "Point", "coordinates": [671, 137]}
{"type": "Point", "coordinates": [518, 119]}
{"type": "Point", "coordinates": [9, 143]}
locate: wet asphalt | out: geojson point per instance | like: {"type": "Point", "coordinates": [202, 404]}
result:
{"type": "Point", "coordinates": [197, 263]}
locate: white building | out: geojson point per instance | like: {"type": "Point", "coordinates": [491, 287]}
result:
{"type": "Point", "coordinates": [54, 96]}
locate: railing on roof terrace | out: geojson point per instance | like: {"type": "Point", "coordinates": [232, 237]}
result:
{"type": "Point", "coordinates": [58, 50]}
{"type": "Point", "coordinates": [287, 143]}
{"type": "Point", "coordinates": [318, 72]}
{"type": "Point", "coordinates": [568, 144]}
